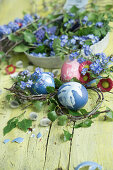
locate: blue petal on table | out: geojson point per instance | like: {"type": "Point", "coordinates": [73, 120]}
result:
{"type": "Point", "coordinates": [6, 141]}
{"type": "Point", "coordinates": [18, 140]}
{"type": "Point", "coordinates": [91, 165]}
{"type": "Point", "coordinates": [39, 135]}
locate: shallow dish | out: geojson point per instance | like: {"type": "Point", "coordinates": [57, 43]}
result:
{"type": "Point", "coordinates": [56, 62]}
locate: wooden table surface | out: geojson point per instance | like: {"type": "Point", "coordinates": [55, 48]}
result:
{"type": "Point", "coordinates": [50, 153]}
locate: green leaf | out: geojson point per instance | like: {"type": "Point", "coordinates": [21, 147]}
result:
{"type": "Point", "coordinates": [56, 45]}
{"type": "Point", "coordinates": [85, 123]}
{"type": "Point", "coordinates": [11, 124]}
{"type": "Point", "coordinates": [58, 83]}
{"type": "Point", "coordinates": [109, 114]}
{"type": "Point", "coordinates": [108, 7]}
{"type": "Point", "coordinates": [111, 68]}
{"type": "Point", "coordinates": [15, 38]}
{"type": "Point", "coordinates": [12, 120]}
{"type": "Point", "coordinates": [29, 37]}
{"type": "Point", "coordinates": [67, 136]}
{"type": "Point", "coordinates": [38, 105]}
{"type": "Point", "coordinates": [40, 49]}
{"type": "Point", "coordinates": [52, 116]}
{"type": "Point", "coordinates": [21, 48]}
{"type": "Point", "coordinates": [74, 113]}
{"type": "Point", "coordinates": [24, 124]}
{"type": "Point", "coordinates": [74, 9]}
{"type": "Point", "coordinates": [50, 89]}
{"type": "Point", "coordinates": [51, 107]}
{"type": "Point", "coordinates": [95, 115]}
{"type": "Point", "coordinates": [74, 79]}
{"type": "Point", "coordinates": [1, 54]}
{"type": "Point", "coordinates": [83, 111]}
{"type": "Point", "coordinates": [94, 7]}
{"type": "Point", "coordinates": [8, 97]}
{"type": "Point", "coordinates": [62, 120]}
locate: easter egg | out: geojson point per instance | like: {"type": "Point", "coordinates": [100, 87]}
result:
{"type": "Point", "coordinates": [72, 95]}
{"type": "Point", "coordinates": [44, 80]}
{"type": "Point", "coordinates": [69, 70]}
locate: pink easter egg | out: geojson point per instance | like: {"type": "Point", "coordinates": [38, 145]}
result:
{"type": "Point", "coordinates": [69, 70]}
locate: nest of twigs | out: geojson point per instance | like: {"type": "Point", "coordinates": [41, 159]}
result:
{"type": "Point", "coordinates": [22, 95]}
{"type": "Point", "coordinates": [60, 110]}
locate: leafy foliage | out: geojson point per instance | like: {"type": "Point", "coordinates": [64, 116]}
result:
{"type": "Point", "coordinates": [57, 46]}
{"type": "Point", "coordinates": [8, 97]}
{"type": "Point", "coordinates": [62, 120]}
{"type": "Point", "coordinates": [14, 122]}
{"type": "Point", "coordinates": [21, 48]}
{"type": "Point", "coordinates": [74, 79]}
{"type": "Point", "coordinates": [11, 124]}
{"type": "Point", "coordinates": [58, 82]}
{"type": "Point", "coordinates": [50, 89]}
{"type": "Point", "coordinates": [51, 107]}
{"type": "Point", "coordinates": [24, 124]}
{"type": "Point", "coordinates": [67, 136]}
{"type": "Point", "coordinates": [15, 38]}
{"type": "Point", "coordinates": [1, 54]}
{"type": "Point", "coordinates": [109, 114]}
{"type": "Point", "coordinates": [52, 116]}
{"type": "Point", "coordinates": [85, 123]}
{"type": "Point", "coordinates": [40, 49]}
{"type": "Point", "coordinates": [29, 37]}
{"type": "Point", "coordinates": [74, 113]}
{"type": "Point", "coordinates": [38, 105]}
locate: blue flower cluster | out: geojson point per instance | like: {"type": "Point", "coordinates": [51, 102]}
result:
{"type": "Point", "coordinates": [15, 25]}
{"type": "Point", "coordinates": [99, 24]}
{"type": "Point", "coordinates": [40, 34]}
{"type": "Point", "coordinates": [70, 21]}
{"type": "Point", "coordinates": [38, 54]}
{"type": "Point", "coordinates": [75, 42]}
{"type": "Point", "coordinates": [87, 50]}
{"type": "Point", "coordinates": [29, 79]}
{"type": "Point", "coordinates": [88, 23]}
{"type": "Point", "coordinates": [84, 70]}
{"type": "Point", "coordinates": [81, 60]}
{"type": "Point", "coordinates": [100, 64]}
{"type": "Point", "coordinates": [73, 55]}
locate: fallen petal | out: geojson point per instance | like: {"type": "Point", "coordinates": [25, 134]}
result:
{"type": "Point", "coordinates": [33, 116]}
{"type": "Point", "coordinates": [33, 135]}
{"type": "Point", "coordinates": [18, 140]}
{"type": "Point", "coordinates": [6, 141]}
{"type": "Point", "coordinates": [45, 122]}
{"type": "Point", "coordinates": [39, 135]}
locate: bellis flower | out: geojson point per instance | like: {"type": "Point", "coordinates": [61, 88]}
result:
{"type": "Point", "coordinates": [84, 78]}
{"type": "Point", "coordinates": [10, 69]}
{"type": "Point", "coordinates": [105, 85]}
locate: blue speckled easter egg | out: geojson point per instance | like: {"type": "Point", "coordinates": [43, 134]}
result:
{"type": "Point", "coordinates": [44, 80]}
{"type": "Point", "coordinates": [72, 95]}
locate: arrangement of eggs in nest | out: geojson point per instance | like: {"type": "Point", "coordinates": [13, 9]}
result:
{"type": "Point", "coordinates": [72, 95]}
